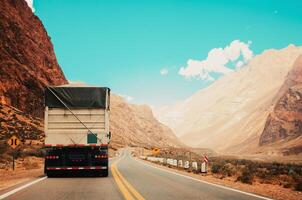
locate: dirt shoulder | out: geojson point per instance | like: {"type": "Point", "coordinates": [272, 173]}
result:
{"type": "Point", "coordinates": [263, 189]}
{"type": "Point", "coordinates": [26, 169]}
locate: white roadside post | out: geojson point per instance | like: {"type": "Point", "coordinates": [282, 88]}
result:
{"type": "Point", "coordinates": [175, 163]}
{"type": "Point", "coordinates": [195, 166]}
{"type": "Point", "coordinates": [169, 161]}
{"type": "Point", "coordinates": [180, 164]}
{"type": "Point", "coordinates": [187, 164]}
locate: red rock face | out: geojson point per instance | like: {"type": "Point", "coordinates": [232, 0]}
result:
{"type": "Point", "coordinates": [285, 122]}
{"type": "Point", "coordinates": [27, 59]}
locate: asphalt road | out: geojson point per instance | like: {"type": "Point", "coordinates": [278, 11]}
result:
{"type": "Point", "coordinates": [128, 179]}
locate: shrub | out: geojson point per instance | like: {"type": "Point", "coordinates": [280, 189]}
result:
{"type": "Point", "coordinates": [217, 167]}
{"type": "Point", "coordinates": [228, 170]}
{"type": "Point", "coordinates": [247, 176]}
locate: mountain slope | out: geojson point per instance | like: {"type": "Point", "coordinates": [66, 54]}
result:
{"type": "Point", "coordinates": [135, 125]}
{"type": "Point", "coordinates": [27, 64]}
{"type": "Point", "coordinates": [27, 58]}
{"type": "Point", "coordinates": [233, 110]}
{"type": "Point", "coordinates": [285, 122]}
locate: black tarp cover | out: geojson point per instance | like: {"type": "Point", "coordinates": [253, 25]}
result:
{"type": "Point", "coordinates": [77, 97]}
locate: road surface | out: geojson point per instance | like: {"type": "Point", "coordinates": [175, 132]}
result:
{"type": "Point", "coordinates": [129, 178]}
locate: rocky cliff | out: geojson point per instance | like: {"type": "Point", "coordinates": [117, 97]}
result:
{"type": "Point", "coordinates": [135, 125]}
{"type": "Point", "coordinates": [27, 59]}
{"type": "Point", "coordinates": [27, 64]}
{"type": "Point", "coordinates": [285, 122]}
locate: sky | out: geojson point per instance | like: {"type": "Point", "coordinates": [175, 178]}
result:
{"type": "Point", "coordinates": [159, 52]}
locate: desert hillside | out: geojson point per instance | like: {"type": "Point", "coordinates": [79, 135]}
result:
{"type": "Point", "coordinates": [135, 125]}
{"type": "Point", "coordinates": [229, 116]}
{"type": "Point", "coordinates": [284, 124]}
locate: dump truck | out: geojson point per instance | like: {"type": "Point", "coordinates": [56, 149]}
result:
{"type": "Point", "coordinates": [76, 129]}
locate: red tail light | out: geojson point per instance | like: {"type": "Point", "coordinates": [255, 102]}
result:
{"type": "Point", "coordinates": [52, 157]}
{"type": "Point", "coordinates": [101, 156]}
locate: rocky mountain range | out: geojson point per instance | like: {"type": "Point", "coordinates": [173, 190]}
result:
{"type": "Point", "coordinates": [229, 116]}
{"type": "Point", "coordinates": [28, 63]}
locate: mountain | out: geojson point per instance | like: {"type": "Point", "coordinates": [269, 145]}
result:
{"type": "Point", "coordinates": [229, 115]}
{"type": "Point", "coordinates": [27, 58]}
{"type": "Point", "coordinates": [284, 123]}
{"type": "Point", "coordinates": [28, 63]}
{"type": "Point", "coordinates": [135, 125]}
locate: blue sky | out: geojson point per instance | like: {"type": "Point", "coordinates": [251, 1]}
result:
{"type": "Point", "coordinates": [125, 44]}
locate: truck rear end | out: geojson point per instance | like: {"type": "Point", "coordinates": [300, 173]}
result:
{"type": "Point", "coordinates": [77, 129]}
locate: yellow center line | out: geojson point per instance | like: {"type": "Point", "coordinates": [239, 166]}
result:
{"type": "Point", "coordinates": [123, 184]}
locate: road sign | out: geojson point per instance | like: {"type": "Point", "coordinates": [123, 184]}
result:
{"type": "Point", "coordinates": [13, 141]}
{"type": "Point", "coordinates": [155, 151]}
{"type": "Point", "coordinates": [204, 165]}
{"type": "Point", "coordinates": [206, 159]}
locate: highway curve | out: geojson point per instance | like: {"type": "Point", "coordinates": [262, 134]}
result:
{"type": "Point", "coordinates": [128, 179]}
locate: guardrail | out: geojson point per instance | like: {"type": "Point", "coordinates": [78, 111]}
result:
{"type": "Point", "coordinates": [184, 164]}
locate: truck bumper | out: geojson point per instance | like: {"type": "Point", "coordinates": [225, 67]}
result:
{"type": "Point", "coordinates": [76, 168]}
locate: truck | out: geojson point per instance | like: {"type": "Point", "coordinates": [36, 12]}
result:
{"type": "Point", "coordinates": [76, 129]}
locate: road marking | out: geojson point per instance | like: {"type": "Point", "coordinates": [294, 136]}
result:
{"type": "Point", "coordinates": [130, 187]}
{"type": "Point", "coordinates": [124, 185]}
{"type": "Point", "coordinates": [195, 179]}
{"type": "Point", "coordinates": [21, 188]}
{"type": "Point", "coordinates": [122, 188]}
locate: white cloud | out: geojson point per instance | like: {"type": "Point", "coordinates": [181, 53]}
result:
{"type": "Point", "coordinates": [217, 61]}
{"type": "Point", "coordinates": [164, 71]}
{"type": "Point", "coordinates": [30, 4]}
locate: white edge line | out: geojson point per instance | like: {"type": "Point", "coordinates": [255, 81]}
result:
{"type": "Point", "coordinates": [213, 184]}
{"type": "Point", "coordinates": [21, 188]}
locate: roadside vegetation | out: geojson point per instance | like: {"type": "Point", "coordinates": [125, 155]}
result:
{"type": "Point", "coordinates": [287, 175]}
{"type": "Point", "coordinates": [248, 171]}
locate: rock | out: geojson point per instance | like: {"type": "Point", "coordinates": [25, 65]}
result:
{"type": "Point", "coordinates": [285, 122]}
{"type": "Point", "coordinates": [27, 59]}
